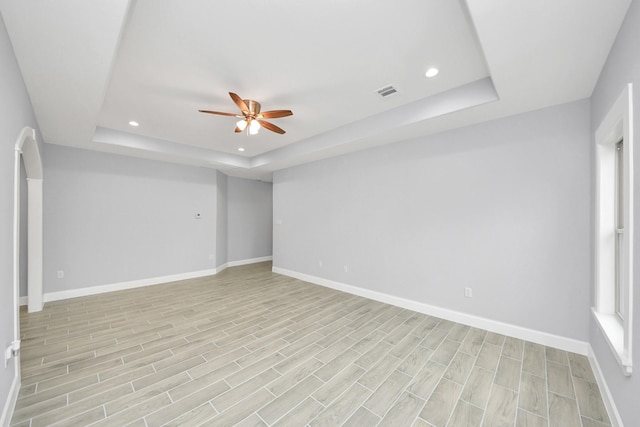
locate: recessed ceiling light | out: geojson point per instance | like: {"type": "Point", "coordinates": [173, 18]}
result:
{"type": "Point", "coordinates": [133, 123]}
{"type": "Point", "coordinates": [432, 72]}
{"type": "Point", "coordinates": [240, 149]}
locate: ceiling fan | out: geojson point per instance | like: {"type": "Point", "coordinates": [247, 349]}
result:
{"type": "Point", "coordinates": [252, 118]}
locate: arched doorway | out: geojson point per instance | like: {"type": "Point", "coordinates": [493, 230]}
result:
{"type": "Point", "coordinates": [27, 151]}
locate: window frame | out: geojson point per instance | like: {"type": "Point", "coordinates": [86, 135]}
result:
{"type": "Point", "coordinates": [619, 306]}
{"type": "Point", "coordinates": [614, 229]}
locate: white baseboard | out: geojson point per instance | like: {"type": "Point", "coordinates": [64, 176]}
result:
{"type": "Point", "coordinates": [101, 289]}
{"type": "Point", "coordinates": [222, 267]}
{"type": "Point", "coordinates": [249, 261]}
{"type": "Point", "coordinates": [94, 290]}
{"type": "Point", "coordinates": [607, 397]}
{"type": "Point", "coordinates": [544, 338]}
{"type": "Point", "coordinates": [10, 403]}
{"type": "Point", "coordinates": [242, 262]}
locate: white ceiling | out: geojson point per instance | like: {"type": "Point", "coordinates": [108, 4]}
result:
{"type": "Point", "coordinates": [91, 67]}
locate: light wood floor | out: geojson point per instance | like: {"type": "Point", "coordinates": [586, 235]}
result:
{"type": "Point", "coordinates": [252, 348]}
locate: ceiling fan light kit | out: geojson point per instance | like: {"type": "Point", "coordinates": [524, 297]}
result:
{"type": "Point", "coordinates": [241, 124]}
{"type": "Point", "coordinates": [251, 117]}
{"type": "Point", "coordinates": [254, 127]}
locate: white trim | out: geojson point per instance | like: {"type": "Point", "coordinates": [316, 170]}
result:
{"type": "Point", "coordinates": [249, 261]}
{"type": "Point", "coordinates": [25, 150]}
{"type": "Point", "coordinates": [617, 124]}
{"type": "Point", "coordinates": [10, 403]}
{"type": "Point", "coordinates": [613, 332]}
{"type": "Point", "coordinates": [544, 338]}
{"type": "Point", "coordinates": [243, 262]}
{"type": "Point", "coordinates": [16, 237]}
{"type": "Point", "coordinates": [27, 147]}
{"type": "Point", "coordinates": [101, 289]}
{"type": "Point", "coordinates": [222, 267]}
{"type": "Point", "coordinates": [607, 397]}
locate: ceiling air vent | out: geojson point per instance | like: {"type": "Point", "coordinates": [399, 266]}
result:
{"type": "Point", "coordinates": [386, 91]}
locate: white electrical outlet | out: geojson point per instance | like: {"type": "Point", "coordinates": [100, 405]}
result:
{"type": "Point", "coordinates": [468, 292]}
{"type": "Point", "coordinates": [11, 351]}
{"type": "Point", "coordinates": [60, 274]}
{"type": "Point", "coordinates": [8, 354]}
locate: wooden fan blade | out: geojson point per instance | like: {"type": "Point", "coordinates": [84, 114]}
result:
{"type": "Point", "coordinates": [274, 114]}
{"type": "Point", "coordinates": [240, 103]}
{"type": "Point", "coordinates": [220, 113]}
{"type": "Point", "coordinates": [271, 127]}
{"type": "Point", "coordinates": [238, 130]}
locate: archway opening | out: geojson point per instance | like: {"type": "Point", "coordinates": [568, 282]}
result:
{"type": "Point", "coordinates": [28, 154]}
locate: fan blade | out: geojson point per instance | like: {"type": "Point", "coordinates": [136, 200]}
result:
{"type": "Point", "coordinates": [274, 114]}
{"type": "Point", "coordinates": [220, 113]}
{"type": "Point", "coordinates": [238, 130]}
{"type": "Point", "coordinates": [271, 127]}
{"type": "Point", "coordinates": [240, 103]}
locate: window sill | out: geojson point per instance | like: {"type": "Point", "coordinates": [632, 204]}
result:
{"type": "Point", "coordinates": [613, 331]}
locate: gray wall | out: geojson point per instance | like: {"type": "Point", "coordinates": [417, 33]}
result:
{"type": "Point", "coordinates": [111, 219]}
{"type": "Point", "coordinates": [502, 207]}
{"type": "Point", "coordinates": [622, 67]}
{"type": "Point", "coordinates": [222, 234]}
{"type": "Point", "coordinates": [250, 207]}
{"type": "Point", "coordinates": [15, 113]}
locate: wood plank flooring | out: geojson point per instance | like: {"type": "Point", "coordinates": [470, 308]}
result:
{"type": "Point", "coordinates": [252, 348]}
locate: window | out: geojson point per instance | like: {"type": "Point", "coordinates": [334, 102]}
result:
{"type": "Point", "coordinates": [619, 226]}
{"type": "Point", "coordinates": [614, 228]}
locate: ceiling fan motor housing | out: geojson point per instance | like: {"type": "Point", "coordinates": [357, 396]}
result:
{"type": "Point", "coordinates": [254, 107]}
